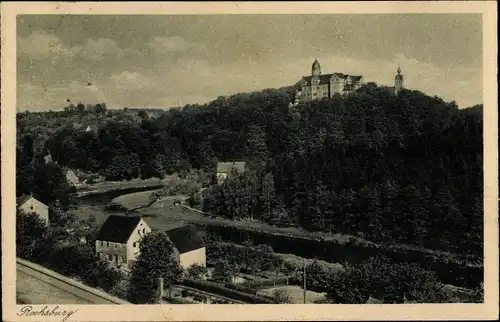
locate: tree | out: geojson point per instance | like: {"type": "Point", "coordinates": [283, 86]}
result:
{"type": "Point", "coordinates": [223, 271]}
{"type": "Point", "coordinates": [156, 259]}
{"type": "Point", "coordinates": [196, 271]}
{"type": "Point", "coordinates": [267, 196]}
{"type": "Point", "coordinates": [257, 146]}
{"type": "Point", "coordinates": [33, 240]}
{"type": "Point", "coordinates": [279, 214]}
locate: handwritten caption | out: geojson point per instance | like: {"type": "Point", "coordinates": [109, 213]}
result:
{"type": "Point", "coordinates": [28, 310]}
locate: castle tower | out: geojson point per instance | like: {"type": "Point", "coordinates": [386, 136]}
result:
{"type": "Point", "coordinates": [316, 68]}
{"type": "Point", "coordinates": [398, 82]}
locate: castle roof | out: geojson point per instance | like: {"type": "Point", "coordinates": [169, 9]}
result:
{"type": "Point", "coordinates": [315, 64]}
{"type": "Point", "coordinates": [325, 79]}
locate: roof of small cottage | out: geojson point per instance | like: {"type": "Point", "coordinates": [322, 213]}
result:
{"type": "Point", "coordinates": [22, 199]}
{"type": "Point", "coordinates": [117, 229]}
{"type": "Point", "coordinates": [185, 238]}
{"type": "Point", "coordinates": [372, 300]}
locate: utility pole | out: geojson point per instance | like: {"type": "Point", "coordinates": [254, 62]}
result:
{"type": "Point", "coordinates": [160, 279]}
{"type": "Point", "coordinates": [305, 291]}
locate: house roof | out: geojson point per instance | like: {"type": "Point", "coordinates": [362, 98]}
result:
{"type": "Point", "coordinates": [21, 200]}
{"type": "Point", "coordinates": [223, 167]}
{"type": "Point", "coordinates": [372, 300]}
{"type": "Point", "coordinates": [91, 127]}
{"type": "Point", "coordinates": [185, 239]}
{"type": "Point", "coordinates": [325, 79]}
{"type": "Point", "coordinates": [118, 229]}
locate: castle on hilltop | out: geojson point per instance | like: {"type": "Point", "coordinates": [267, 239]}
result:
{"type": "Point", "coordinates": [319, 86]}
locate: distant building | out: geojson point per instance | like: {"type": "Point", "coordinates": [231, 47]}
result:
{"type": "Point", "coordinates": [398, 82]}
{"type": "Point", "coordinates": [319, 86]}
{"type": "Point", "coordinates": [189, 246]}
{"type": "Point", "coordinates": [224, 169]}
{"type": "Point", "coordinates": [29, 204]}
{"type": "Point", "coordinates": [72, 178]}
{"type": "Point", "coordinates": [91, 128]}
{"type": "Point", "coordinates": [118, 239]}
{"type": "Point", "coordinates": [372, 300]}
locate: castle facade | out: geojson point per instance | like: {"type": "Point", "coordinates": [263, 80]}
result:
{"type": "Point", "coordinates": [318, 86]}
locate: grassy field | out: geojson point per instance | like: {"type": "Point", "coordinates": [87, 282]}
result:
{"type": "Point", "coordinates": [105, 186]}
{"type": "Point", "coordinates": [134, 200]}
{"type": "Point", "coordinates": [296, 293]}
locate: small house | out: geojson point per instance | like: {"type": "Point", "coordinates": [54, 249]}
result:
{"type": "Point", "coordinates": [118, 239]}
{"type": "Point", "coordinates": [372, 300]}
{"type": "Point", "coordinates": [224, 169]}
{"type": "Point", "coordinates": [29, 204]}
{"type": "Point", "coordinates": [189, 247]}
{"type": "Point", "coordinates": [91, 128]}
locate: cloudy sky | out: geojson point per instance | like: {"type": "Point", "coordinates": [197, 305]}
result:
{"type": "Point", "coordinates": [166, 61]}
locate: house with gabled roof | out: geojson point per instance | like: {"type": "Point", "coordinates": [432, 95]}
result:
{"type": "Point", "coordinates": [29, 204]}
{"type": "Point", "coordinates": [189, 246]}
{"type": "Point", "coordinates": [224, 169]}
{"type": "Point", "coordinates": [118, 239]}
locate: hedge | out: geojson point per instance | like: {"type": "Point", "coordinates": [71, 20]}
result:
{"type": "Point", "coordinates": [267, 283]}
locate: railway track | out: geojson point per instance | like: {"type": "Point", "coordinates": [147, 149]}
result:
{"type": "Point", "coordinates": [39, 285]}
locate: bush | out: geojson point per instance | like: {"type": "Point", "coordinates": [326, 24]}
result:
{"type": "Point", "coordinates": [223, 271]}
{"type": "Point", "coordinates": [101, 275]}
{"type": "Point", "coordinates": [282, 296]}
{"type": "Point", "coordinates": [196, 271]}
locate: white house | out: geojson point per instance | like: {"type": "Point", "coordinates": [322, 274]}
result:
{"type": "Point", "coordinates": [225, 168]}
{"type": "Point", "coordinates": [118, 239]}
{"type": "Point", "coordinates": [189, 246]}
{"type": "Point", "coordinates": [28, 204]}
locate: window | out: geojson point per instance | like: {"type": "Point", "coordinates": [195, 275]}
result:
{"type": "Point", "coordinates": [135, 244]}
{"type": "Point", "coordinates": [144, 230]}
{"type": "Point", "coordinates": [110, 257]}
{"type": "Point", "coordinates": [31, 207]}
{"type": "Point", "coordinates": [116, 245]}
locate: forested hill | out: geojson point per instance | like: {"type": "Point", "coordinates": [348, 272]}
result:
{"type": "Point", "coordinates": [404, 168]}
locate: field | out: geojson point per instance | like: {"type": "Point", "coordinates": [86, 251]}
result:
{"type": "Point", "coordinates": [134, 200]}
{"type": "Point", "coordinates": [105, 186]}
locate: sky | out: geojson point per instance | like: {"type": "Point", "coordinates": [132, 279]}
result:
{"type": "Point", "coordinates": [168, 61]}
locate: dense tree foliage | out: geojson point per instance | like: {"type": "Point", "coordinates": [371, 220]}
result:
{"type": "Point", "coordinates": [386, 281]}
{"type": "Point", "coordinates": [156, 259]}
{"type": "Point", "coordinates": [404, 168]}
